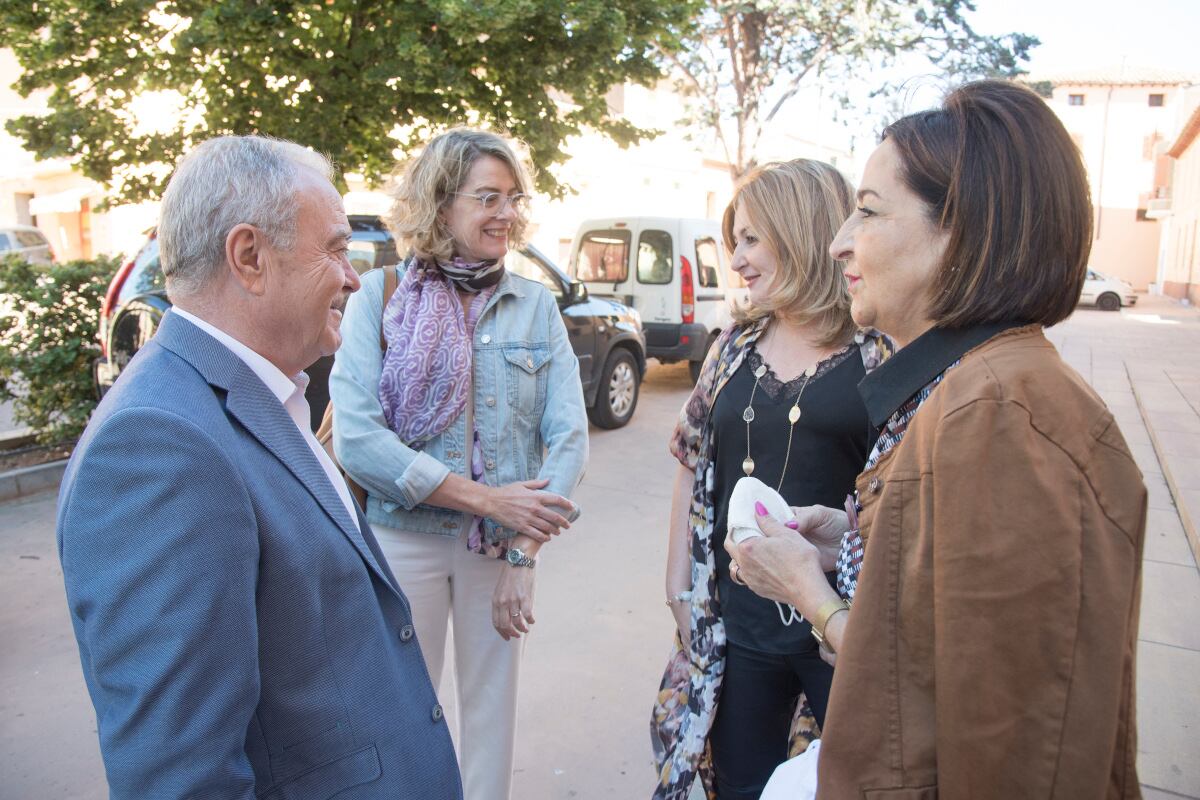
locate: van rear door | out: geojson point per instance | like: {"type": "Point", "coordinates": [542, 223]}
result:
{"type": "Point", "coordinates": [656, 270]}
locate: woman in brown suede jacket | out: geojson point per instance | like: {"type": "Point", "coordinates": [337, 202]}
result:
{"type": "Point", "coordinates": [990, 561]}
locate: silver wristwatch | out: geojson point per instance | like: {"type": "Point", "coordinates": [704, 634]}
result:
{"type": "Point", "coordinates": [517, 558]}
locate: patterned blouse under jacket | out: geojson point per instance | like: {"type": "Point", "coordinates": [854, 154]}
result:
{"type": "Point", "coordinates": [686, 704]}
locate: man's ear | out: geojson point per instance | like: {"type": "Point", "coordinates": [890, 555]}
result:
{"type": "Point", "coordinates": [246, 255]}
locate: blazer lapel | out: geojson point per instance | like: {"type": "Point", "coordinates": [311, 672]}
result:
{"type": "Point", "coordinates": [253, 405]}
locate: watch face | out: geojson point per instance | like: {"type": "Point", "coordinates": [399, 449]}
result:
{"type": "Point", "coordinates": [513, 557]}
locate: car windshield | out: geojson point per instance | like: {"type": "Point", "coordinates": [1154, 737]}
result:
{"type": "Point", "coordinates": [146, 274]}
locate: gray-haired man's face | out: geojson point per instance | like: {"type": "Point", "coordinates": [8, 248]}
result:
{"type": "Point", "coordinates": [309, 284]}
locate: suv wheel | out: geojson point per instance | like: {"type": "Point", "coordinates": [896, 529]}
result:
{"type": "Point", "coordinates": [1108, 302]}
{"type": "Point", "coordinates": [618, 394]}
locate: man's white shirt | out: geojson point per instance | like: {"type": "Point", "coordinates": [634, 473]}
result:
{"type": "Point", "coordinates": [289, 392]}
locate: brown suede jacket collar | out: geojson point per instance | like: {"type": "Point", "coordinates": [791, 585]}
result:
{"type": "Point", "coordinates": [908, 371]}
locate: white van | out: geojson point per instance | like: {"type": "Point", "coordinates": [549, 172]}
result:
{"type": "Point", "coordinates": [674, 271]}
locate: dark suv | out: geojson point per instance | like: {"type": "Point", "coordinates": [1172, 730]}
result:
{"type": "Point", "coordinates": [606, 335]}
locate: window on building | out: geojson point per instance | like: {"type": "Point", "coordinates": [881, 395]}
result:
{"type": "Point", "coordinates": [1074, 99]}
{"type": "Point", "coordinates": [1156, 100]}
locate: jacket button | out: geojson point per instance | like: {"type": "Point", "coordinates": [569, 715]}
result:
{"type": "Point", "coordinates": [406, 633]}
{"type": "Point", "coordinates": [529, 363]}
{"type": "Point", "coordinates": [449, 524]}
{"type": "Point", "coordinates": [437, 713]}
{"type": "Point", "coordinates": [490, 464]}
{"type": "Point", "coordinates": [491, 401]}
{"type": "Point", "coordinates": [485, 339]}
{"type": "Point", "coordinates": [874, 486]}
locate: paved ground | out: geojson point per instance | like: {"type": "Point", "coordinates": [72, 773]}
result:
{"type": "Point", "coordinates": [593, 664]}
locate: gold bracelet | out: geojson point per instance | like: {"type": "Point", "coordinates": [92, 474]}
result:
{"type": "Point", "coordinates": [820, 621]}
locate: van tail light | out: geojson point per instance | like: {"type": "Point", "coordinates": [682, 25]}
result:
{"type": "Point", "coordinates": [687, 292]}
{"type": "Point", "coordinates": [110, 300]}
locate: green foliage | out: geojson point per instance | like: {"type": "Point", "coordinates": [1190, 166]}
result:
{"type": "Point", "coordinates": [360, 80]}
{"type": "Point", "coordinates": [48, 321]}
{"type": "Point", "coordinates": [743, 60]}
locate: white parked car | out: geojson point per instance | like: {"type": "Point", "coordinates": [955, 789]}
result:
{"type": "Point", "coordinates": [1105, 293]}
{"type": "Point", "coordinates": [673, 270]}
{"type": "Point", "coordinates": [27, 242]}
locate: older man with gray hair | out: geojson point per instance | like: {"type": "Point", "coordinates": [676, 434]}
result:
{"type": "Point", "coordinates": [240, 632]}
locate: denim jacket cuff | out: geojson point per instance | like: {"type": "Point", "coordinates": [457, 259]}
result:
{"type": "Point", "coordinates": [420, 479]}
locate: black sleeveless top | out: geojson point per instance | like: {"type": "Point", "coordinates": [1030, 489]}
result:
{"type": "Point", "coordinates": [830, 444]}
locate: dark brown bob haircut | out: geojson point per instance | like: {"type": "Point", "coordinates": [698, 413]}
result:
{"type": "Point", "coordinates": [1001, 175]}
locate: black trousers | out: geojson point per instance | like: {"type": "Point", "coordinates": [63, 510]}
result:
{"type": "Point", "coordinates": [749, 737]}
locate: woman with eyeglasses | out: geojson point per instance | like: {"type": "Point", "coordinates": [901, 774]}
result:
{"type": "Point", "coordinates": [458, 407]}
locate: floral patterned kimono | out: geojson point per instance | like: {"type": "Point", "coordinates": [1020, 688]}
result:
{"type": "Point", "coordinates": [687, 698]}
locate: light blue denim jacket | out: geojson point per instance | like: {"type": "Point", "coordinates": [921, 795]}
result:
{"type": "Point", "coordinates": [527, 400]}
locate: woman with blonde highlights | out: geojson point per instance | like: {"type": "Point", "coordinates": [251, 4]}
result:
{"type": "Point", "coordinates": [776, 400]}
{"type": "Point", "coordinates": [466, 426]}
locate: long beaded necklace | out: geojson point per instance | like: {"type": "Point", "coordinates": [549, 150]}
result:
{"type": "Point", "coordinates": [790, 615]}
{"type": "Point", "coordinates": [793, 418]}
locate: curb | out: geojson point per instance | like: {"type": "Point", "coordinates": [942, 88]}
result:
{"type": "Point", "coordinates": [31, 480]}
{"type": "Point", "coordinates": [1189, 524]}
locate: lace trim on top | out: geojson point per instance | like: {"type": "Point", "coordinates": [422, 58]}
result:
{"type": "Point", "coordinates": [775, 388]}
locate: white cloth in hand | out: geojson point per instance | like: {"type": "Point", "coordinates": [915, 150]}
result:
{"type": "Point", "coordinates": [741, 519]}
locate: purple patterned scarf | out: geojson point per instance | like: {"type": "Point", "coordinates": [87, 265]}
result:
{"type": "Point", "coordinates": [427, 367]}
{"type": "Point", "coordinates": [426, 376]}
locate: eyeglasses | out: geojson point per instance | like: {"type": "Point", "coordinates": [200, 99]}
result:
{"type": "Point", "coordinates": [494, 202]}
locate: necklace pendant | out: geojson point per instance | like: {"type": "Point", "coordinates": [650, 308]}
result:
{"type": "Point", "coordinates": [748, 466]}
{"type": "Point", "coordinates": [812, 370]}
{"type": "Point", "coordinates": [762, 370]}
{"type": "Point", "coordinates": [748, 414]}
{"type": "Point", "coordinates": [794, 414]}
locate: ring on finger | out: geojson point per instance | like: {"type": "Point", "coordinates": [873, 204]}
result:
{"type": "Point", "coordinates": [515, 614]}
{"type": "Point", "coordinates": [735, 574]}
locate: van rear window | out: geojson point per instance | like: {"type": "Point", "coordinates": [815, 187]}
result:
{"type": "Point", "coordinates": [708, 264]}
{"type": "Point", "coordinates": [604, 256]}
{"type": "Point", "coordinates": [654, 257]}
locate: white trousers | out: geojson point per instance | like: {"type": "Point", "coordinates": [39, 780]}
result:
{"type": "Point", "coordinates": [443, 580]}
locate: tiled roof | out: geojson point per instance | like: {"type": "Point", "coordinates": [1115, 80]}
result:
{"type": "Point", "coordinates": [1117, 76]}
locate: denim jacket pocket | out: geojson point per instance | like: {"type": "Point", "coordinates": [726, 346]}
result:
{"type": "Point", "coordinates": [526, 376]}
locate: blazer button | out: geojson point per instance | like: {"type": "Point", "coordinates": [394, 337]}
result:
{"type": "Point", "coordinates": [491, 401]}
{"type": "Point", "coordinates": [874, 486]}
{"type": "Point", "coordinates": [406, 633]}
{"type": "Point", "coordinates": [437, 713]}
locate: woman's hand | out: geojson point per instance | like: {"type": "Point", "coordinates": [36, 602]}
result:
{"type": "Point", "coordinates": [782, 565]}
{"type": "Point", "coordinates": [523, 508]}
{"type": "Point", "coordinates": [824, 527]}
{"type": "Point", "coordinates": [512, 602]}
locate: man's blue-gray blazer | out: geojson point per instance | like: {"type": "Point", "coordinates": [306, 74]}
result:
{"type": "Point", "coordinates": [240, 638]}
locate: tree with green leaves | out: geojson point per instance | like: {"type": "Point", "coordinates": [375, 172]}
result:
{"type": "Point", "coordinates": [361, 80]}
{"type": "Point", "coordinates": [742, 61]}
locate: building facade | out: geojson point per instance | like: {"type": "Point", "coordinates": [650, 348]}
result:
{"type": "Point", "coordinates": [1179, 264]}
{"type": "Point", "coordinates": [1124, 121]}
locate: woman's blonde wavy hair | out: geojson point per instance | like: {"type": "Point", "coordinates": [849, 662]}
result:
{"type": "Point", "coordinates": [796, 208]}
{"type": "Point", "coordinates": [426, 183]}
